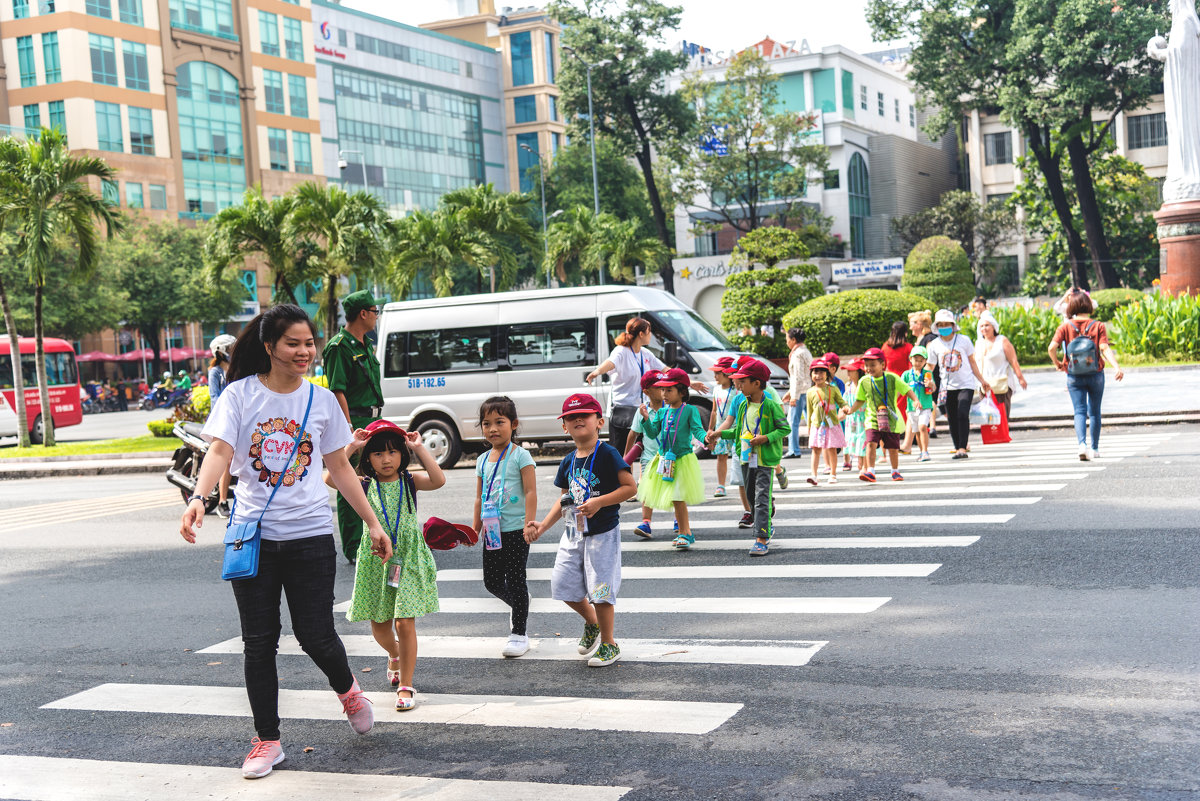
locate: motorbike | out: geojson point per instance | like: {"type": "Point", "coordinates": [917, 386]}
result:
{"type": "Point", "coordinates": [185, 464]}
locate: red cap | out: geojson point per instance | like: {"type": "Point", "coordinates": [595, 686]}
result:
{"type": "Point", "coordinates": [818, 364]}
{"type": "Point", "coordinates": [874, 353]}
{"type": "Point", "coordinates": [441, 535]}
{"type": "Point", "coordinates": [720, 364]}
{"type": "Point", "coordinates": [833, 360]}
{"type": "Point", "coordinates": [649, 378]}
{"type": "Point", "coordinates": [856, 364]}
{"type": "Point", "coordinates": [674, 378]}
{"type": "Point", "coordinates": [380, 426]}
{"type": "Point", "coordinates": [581, 403]}
{"type": "Point", "coordinates": [753, 368]}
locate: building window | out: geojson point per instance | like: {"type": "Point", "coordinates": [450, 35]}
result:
{"type": "Point", "coordinates": [130, 11]}
{"type": "Point", "coordinates": [277, 148]}
{"type": "Point", "coordinates": [58, 115]}
{"type": "Point", "coordinates": [158, 197]}
{"type": "Point", "coordinates": [997, 148]}
{"type": "Point", "coordinates": [133, 196]}
{"type": "Point", "coordinates": [833, 179]}
{"type": "Point", "coordinates": [521, 47]}
{"type": "Point", "coordinates": [268, 32]}
{"type": "Point", "coordinates": [214, 17]}
{"type": "Point", "coordinates": [897, 109]}
{"type": "Point", "coordinates": [525, 109]}
{"type": "Point", "coordinates": [33, 117]}
{"type": "Point", "coordinates": [298, 95]}
{"type": "Point", "coordinates": [137, 72]}
{"type": "Point", "coordinates": [109, 192]}
{"type": "Point", "coordinates": [210, 139]}
{"type": "Point", "coordinates": [402, 52]}
{"type": "Point", "coordinates": [550, 71]}
{"type": "Point", "coordinates": [879, 102]}
{"type": "Point", "coordinates": [25, 60]}
{"type": "Point", "coordinates": [527, 160]}
{"type": "Point", "coordinates": [302, 152]}
{"type": "Point", "coordinates": [45, 6]}
{"type": "Point", "coordinates": [860, 204]}
{"type": "Point", "coordinates": [50, 59]}
{"type": "Point", "coordinates": [104, 59]}
{"type": "Point", "coordinates": [999, 198]}
{"type": "Point", "coordinates": [554, 108]}
{"type": "Point", "coordinates": [342, 38]}
{"type": "Point", "coordinates": [1145, 130]}
{"type": "Point", "coordinates": [555, 144]}
{"type": "Point", "coordinates": [273, 91]}
{"type": "Point", "coordinates": [141, 131]}
{"type": "Point", "coordinates": [99, 8]}
{"type": "Point", "coordinates": [108, 127]}
{"type": "Point", "coordinates": [912, 116]}
{"type": "Point", "coordinates": [862, 97]}
{"type": "Point", "coordinates": [20, 9]}
{"type": "Point", "coordinates": [293, 39]}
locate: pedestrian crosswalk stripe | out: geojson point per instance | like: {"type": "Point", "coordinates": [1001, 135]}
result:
{"type": "Point", "coordinates": [882, 468]}
{"type": "Point", "coordinates": [703, 605]}
{"type": "Point", "coordinates": [860, 504]}
{"type": "Point", "coordinates": [45, 518]}
{"type": "Point", "coordinates": [895, 521]}
{"type": "Point", "coordinates": [533, 711]}
{"type": "Point", "coordinates": [785, 544]}
{"type": "Point", "coordinates": [756, 570]}
{"type": "Point", "coordinates": [58, 779]}
{"type": "Point", "coordinates": [782, 653]}
{"type": "Point", "coordinates": [40, 510]}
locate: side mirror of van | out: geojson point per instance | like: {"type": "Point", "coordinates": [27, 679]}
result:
{"type": "Point", "coordinates": [671, 354]}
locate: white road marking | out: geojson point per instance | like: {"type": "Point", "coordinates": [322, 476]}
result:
{"type": "Point", "coordinates": [636, 513]}
{"type": "Point", "coordinates": [46, 519]}
{"type": "Point", "coordinates": [58, 779]}
{"type": "Point", "coordinates": [896, 521]}
{"type": "Point", "coordinates": [784, 653]}
{"type": "Point", "coordinates": [532, 711]}
{"type": "Point", "coordinates": [885, 488]}
{"type": "Point", "coordinates": [784, 544]}
{"type": "Point", "coordinates": [928, 469]}
{"type": "Point", "coordinates": [757, 570]}
{"type": "Point", "coordinates": [705, 605]}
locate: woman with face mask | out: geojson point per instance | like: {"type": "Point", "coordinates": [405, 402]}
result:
{"type": "Point", "coordinates": [954, 356]}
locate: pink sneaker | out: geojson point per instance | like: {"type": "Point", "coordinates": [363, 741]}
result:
{"type": "Point", "coordinates": [263, 757]}
{"type": "Point", "coordinates": [358, 710]}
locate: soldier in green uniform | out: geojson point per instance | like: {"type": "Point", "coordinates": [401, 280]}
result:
{"type": "Point", "coordinates": [352, 371]}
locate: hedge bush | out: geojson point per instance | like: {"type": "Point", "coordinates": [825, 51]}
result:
{"type": "Point", "coordinates": [756, 298]}
{"type": "Point", "coordinates": [850, 322]}
{"type": "Point", "coordinates": [1159, 327]}
{"type": "Point", "coordinates": [161, 428]}
{"type": "Point", "coordinates": [1028, 328]}
{"type": "Point", "coordinates": [1107, 301]}
{"type": "Point", "coordinates": [938, 269]}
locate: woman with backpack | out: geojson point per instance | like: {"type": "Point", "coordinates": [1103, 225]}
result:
{"type": "Point", "coordinates": [1085, 351]}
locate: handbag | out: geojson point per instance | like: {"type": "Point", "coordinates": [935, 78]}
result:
{"type": "Point", "coordinates": [243, 541]}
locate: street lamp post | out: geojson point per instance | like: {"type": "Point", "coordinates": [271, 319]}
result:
{"type": "Point", "coordinates": [592, 131]}
{"type": "Point", "coordinates": [542, 178]}
{"type": "Point", "coordinates": [343, 164]}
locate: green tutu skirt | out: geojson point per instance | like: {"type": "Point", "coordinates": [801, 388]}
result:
{"type": "Point", "coordinates": [687, 487]}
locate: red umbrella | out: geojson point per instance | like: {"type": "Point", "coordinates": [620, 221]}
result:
{"type": "Point", "coordinates": [96, 356]}
{"type": "Point", "coordinates": [136, 355]}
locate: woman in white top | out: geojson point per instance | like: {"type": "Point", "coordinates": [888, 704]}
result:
{"type": "Point", "coordinates": [629, 360]}
{"type": "Point", "coordinates": [253, 428]}
{"type": "Point", "coordinates": [954, 356]}
{"type": "Point", "coordinates": [997, 357]}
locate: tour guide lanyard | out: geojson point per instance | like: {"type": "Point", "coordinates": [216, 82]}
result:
{"type": "Point", "coordinates": [587, 490]}
{"type": "Point", "coordinates": [500, 463]}
{"type": "Point", "coordinates": [722, 408]}
{"type": "Point", "coordinates": [672, 422]}
{"type": "Point", "coordinates": [757, 422]}
{"type": "Point", "coordinates": [884, 402]}
{"type": "Point", "coordinates": [393, 531]}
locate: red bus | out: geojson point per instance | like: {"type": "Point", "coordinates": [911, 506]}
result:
{"type": "Point", "coordinates": [61, 374]}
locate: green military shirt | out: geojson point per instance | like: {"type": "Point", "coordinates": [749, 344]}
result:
{"type": "Point", "coordinates": [351, 368]}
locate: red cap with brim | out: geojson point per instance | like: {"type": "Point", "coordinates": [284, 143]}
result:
{"type": "Point", "coordinates": [382, 426]}
{"type": "Point", "coordinates": [581, 403]}
{"type": "Point", "coordinates": [856, 364]}
{"type": "Point", "coordinates": [674, 378]}
{"type": "Point", "coordinates": [721, 364]}
{"type": "Point", "coordinates": [874, 353]}
{"type": "Point", "coordinates": [649, 379]}
{"type": "Point", "coordinates": [752, 368]}
{"type": "Point", "coordinates": [441, 535]}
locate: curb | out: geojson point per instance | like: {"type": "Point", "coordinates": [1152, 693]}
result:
{"type": "Point", "coordinates": [1158, 368]}
{"type": "Point", "coordinates": [86, 457]}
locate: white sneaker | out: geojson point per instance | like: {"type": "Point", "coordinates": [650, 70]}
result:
{"type": "Point", "coordinates": [518, 645]}
{"type": "Point", "coordinates": [1084, 453]}
{"type": "Point", "coordinates": [1093, 454]}
{"type": "Point", "coordinates": [264, 756]}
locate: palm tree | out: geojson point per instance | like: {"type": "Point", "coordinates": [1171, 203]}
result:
{"type": "Point", "coordinates": [43, 192]}
{"type": "Point", "coordinates": [501, 219]}
{"type": "Point", "coordinates": [258, 227]}
{"type": "Point", "coordinates": [568, 240]}
{"type": "Point", "coordinates": [345, 232]}
{"type": "Point", "coordinates": [435, 242]}
{"type": "Point", "coordinates": [620, 247]}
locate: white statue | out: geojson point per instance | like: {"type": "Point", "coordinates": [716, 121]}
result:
{"type": "Point", "coordinates": [1181, 54]}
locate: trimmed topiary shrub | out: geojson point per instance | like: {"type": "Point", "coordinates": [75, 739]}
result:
{"type": "Point", "coordinates": [850, 322]}
{"type": "Point", "coordinates": [938, 269]}
{"type": "Point", "coordinates": [161, 428]}
{"type": "Point", "coordinates": [757, 298]}
{"type": "Point", "coordinates": [1107, 301]}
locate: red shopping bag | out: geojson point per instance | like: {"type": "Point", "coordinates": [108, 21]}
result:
{"type": "Point", "coordinates": [997, 434]}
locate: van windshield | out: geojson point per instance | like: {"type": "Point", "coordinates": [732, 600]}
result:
{"type": "Point", "coordinates": [693, 331]}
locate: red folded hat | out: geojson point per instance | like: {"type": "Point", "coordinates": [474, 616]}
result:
{"type": "Point", "coordinates": [674, 377]}
{"type": "Point", "coordinates": [874, 353]}
{"type": "Point", "coordinates": [380, 426]}
{"type": "Point", "coordinates": [441, 535]}
{"type": "Point", "coordinates": [752, 368]}
{"type": "Point", "coordinates": [856, 364]}
{"type": "Point", "coordinates": [721, 364]}
{"type": "Point", "coordinates": [581, 403]}
{"type": "Point", "coordinates": [833, 360]}
{"type": "Point", "coordinates": [649, 378]}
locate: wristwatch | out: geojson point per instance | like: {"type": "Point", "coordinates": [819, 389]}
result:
{"type": "Point", "coordinates": [195, 498]}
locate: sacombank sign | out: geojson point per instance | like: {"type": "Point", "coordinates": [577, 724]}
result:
{"type": "Point", "coordinates": [326, 31]}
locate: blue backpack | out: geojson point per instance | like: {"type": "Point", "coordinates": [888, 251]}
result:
{"type": "Point", "coordinates": [1083, 357]}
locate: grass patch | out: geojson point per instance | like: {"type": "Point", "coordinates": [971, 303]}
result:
{"type": "Point", "coordinates": [149, 442]}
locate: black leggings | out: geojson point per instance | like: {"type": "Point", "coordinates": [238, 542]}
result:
{"type": "Point", "coordinates": [958, 415]}
{"type": "Point", "coordinates": [504, 576]}
{"type": "Point", "coordinates": [304, 569]}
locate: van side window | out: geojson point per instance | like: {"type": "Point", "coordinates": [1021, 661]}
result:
{"type": "Point", "coordinates": [452, 350]}
{"type": "Point", "coordinates": [393, 356]}
{"type": "Point", "coordinates": [557, 344]}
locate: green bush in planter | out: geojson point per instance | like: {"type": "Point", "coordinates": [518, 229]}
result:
{"type": "Point", "coordinates": [161, 428]}
{"type": "Point", "coordinates": [850, 322]}
{"type": "Point", "coordinates": [1107, 301]}
{"type": "Point", "coordinates": [938, 269]}
{"type": "Point", "coordinates": [755, 298]}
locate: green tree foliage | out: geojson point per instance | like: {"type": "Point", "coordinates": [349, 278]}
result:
{"type": "Point", "coordinates": [259, 228]}
{"type": "Point", "coordinates": [72, 308]}
{"type": "Point", "coordinates": [768, 246]}
{"type": "Point", "coordinates": [502, 221]}
{"type": "Point", "coordinates": [848, 323]}
{"type": "Point", "coordinates": [580, 244]}
{"type": "Point", "coordinates": [757, 298]}
{"type": "Point", "coordinates": [622, 190]}
{"type": "Point", "coordinates": [981, 229]}
{"type": "Point", "coordinates": [632, 103]}
{"type": "Point", "coordinates": [1028, 328]}
{"type": "Point", "coordinates": [938, 269]}
{"type": "Point", "coordinates": [43, 195]}
{"type": "Point", "coordinates": [768, 161]}
{"type": "Point", "coordinates": [435, 243]}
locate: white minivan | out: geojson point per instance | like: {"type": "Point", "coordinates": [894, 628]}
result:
{"type": "Point", "coordinates": [442, 357]}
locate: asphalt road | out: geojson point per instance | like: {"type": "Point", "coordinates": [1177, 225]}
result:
{"type": "Point", "coordinates": [1052, 657]}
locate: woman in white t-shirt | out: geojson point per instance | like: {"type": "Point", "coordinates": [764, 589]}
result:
{"type": "Point", "coordinates": [253, 428]}
{"type": "Point", "coordinates": [997, 360]}
{"type": "Point", "coordinates": [628, 362]}
{"type": "Point", "coordinates": [954, 356]}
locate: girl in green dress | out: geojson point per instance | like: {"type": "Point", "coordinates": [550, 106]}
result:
{"type": "Point", "coordinates": [393, 595]}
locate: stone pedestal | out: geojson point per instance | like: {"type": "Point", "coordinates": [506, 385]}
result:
{"type": "Point", "coordinates": [1179, 247]}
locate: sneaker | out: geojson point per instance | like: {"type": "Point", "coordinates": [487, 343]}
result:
{"type": "Point", "coordinates": [964, 455]}
{"type": "Point", "coordinates": [518, 645]}
{"type": "Point", "coordinates": [590, 639]}
{"type": "Point", "coordinates": [643, 529]}
{"type": "Point", "coordinates": [263, 757]}
{"type": "Point", "coordinates": [684, 541]}
{"type": "Point", "coordinates": [831, 480]}
{"type": "Point", "coordinates": [925, 457]}
{"type": "Point", "coordinates": [223, 510]}
{"type": "Point", "coordinates": [896, 476]}
{"type": "Point", "coordinates": [747, 521]}
{"type": "Point", "coordinates": [720, 493]}
{"type": "Point", "coordinates": [358, 710]}
{"type": "Point", "coordinates": [867, 476]}
{"type": "Point", "coordinates": [1095, 454]}
{"type": "Point", "coordinates": [606, 654]}
{"type": "Point", "coordinates": [1083, 452]}
{"type": "Point", "coordinates": [759, 548]}
{"type": "Point", "coordinates": [933, 433]}
{"type": "Point", "coordinates": [782, 477]}
{"type": "Point", "coordinates": [812, 480]}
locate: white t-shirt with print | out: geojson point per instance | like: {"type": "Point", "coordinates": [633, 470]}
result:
{"type": "Point", "coordinates": [629, 367]}
{"type": "Point", "coordinates": [261, 426]}
{"type": "Point", "coordinates": [952, 357]}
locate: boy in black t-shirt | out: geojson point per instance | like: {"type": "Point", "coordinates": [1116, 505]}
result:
{"type": "Point", "coordinates": [587, 569]}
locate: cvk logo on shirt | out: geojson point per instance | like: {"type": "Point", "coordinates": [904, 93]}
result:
{"type": "Point", "coordinates": [273, 451]}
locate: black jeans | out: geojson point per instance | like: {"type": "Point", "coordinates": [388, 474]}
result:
{"type": "Point", "coordinates": [619, 425]}
{"type": "Point", "coordinates": [958, 415]}
{"type": "Point", "coordinates": [504, 576]}
{"type": "Point", "coordinates": [304, 569]}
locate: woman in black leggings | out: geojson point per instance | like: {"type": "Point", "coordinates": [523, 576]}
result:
{"type": "Point", "coordinates": [954, 355]}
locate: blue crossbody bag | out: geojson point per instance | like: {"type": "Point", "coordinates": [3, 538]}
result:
{"type": "Point", "coordinates": [243, 541]}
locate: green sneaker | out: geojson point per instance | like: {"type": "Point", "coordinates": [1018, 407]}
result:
{"type": "Point", "coordinates": [605, 655]}
{"type": "Point", "coordinates": [590, 639]}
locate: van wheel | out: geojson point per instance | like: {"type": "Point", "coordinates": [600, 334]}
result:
{"type": "Point", "coordinates": [442, 442]}
{"type": "Point", "coordinates": [37, 433]}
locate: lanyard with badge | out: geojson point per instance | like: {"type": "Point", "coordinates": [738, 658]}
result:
{"type": "Point", "coordinates": [575, 522]}
{"type": "Point", "coordinates": [395, 566]}
{"type": "Point", "coordinates": [490, 515]}
{"type": "Point", "coordinates": [749, 455]}
{"type": "Point", "coordinates": [666, 456]}
{"type": "Point", "coordinates": [883, 403]}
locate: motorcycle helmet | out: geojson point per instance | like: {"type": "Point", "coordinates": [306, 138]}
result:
{"type": "Point", "coordinates": [166, 375]}
{"type": "Point", "coordinates": [182, 373]}
{"type": "Point", "coordinates": [222, 343]}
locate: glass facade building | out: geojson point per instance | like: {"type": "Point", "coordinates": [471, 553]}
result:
{"type": "Point", "coordinates": [210, 138]}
